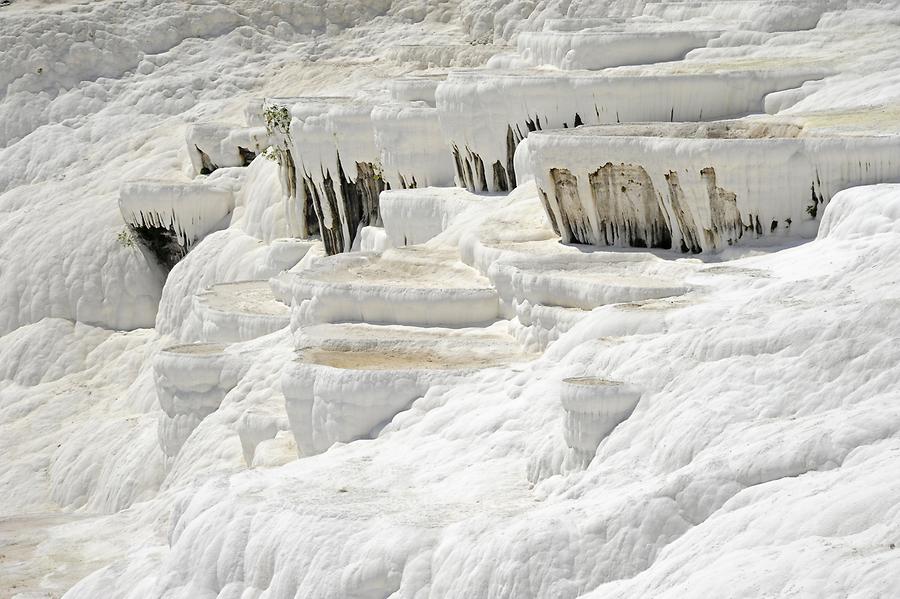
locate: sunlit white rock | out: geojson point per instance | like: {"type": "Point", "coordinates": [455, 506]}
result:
{"type": "Point", "coordinates": [216, 145]}
{"type": "Point", "coordinates": [350, 380]}
{"type": "Point", "coordinates": [584, 281]}
{"type": "Point", "coordinates": [257, 425]}
{"type": "Point", "coordinates": [170, 217]}
{"type": "Point", "coordinates": [191, 381]}
{"type": "Point", "coordinates": [373, 239]}
{"type": "Point", "coordinates": [593, 408]}
{"type": "Point", "coordinates": [286, 252]}
{"type": "Point", "coordinates": [413, 216]}
{"type": "Point", "coordinates": [765, 15]}
{"type": "Point", "coordinates": [595, 49]}
{"type": "Point", "coordinates": [486, 113]}
{"type": "Point", "coordinates": [416, 88]}
{"type": "Point", "coordinates": [412, 286]}
{"type": "Point", "coordinates": [700, 187]}
{"type": "Point", "coordinates": [238, 311]}
{"type": "Point", "coordinates": [413, 151]}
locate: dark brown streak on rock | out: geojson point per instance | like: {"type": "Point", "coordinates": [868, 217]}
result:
{"type": "Point", "coordinates": [628, 208]}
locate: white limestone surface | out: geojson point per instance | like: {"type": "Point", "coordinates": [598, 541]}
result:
{"type": "Point", "coordinates": [216, 145]}
{"type": "Point", "coordinates": [700, 187]}
{"type": "Point", "coordinates": [414, 216]}
{"type": "Point", "coordinates": [594, 406]}
{"type": "Point", "coordinates": [761, 460]}
{"type": "Point", "coordinates": [191, 381]}
{"type": "Point", "coordinates": [596, 49]}
{"type": "Point", "coordinates": [351, 380]}
{"type": "Point", "coordinates": [413, 151]}
{"type": "Point", "coordinates": [411, 286]}
{"type": "Point", "coordinates": [486, 113]}
{"type": "Point", "coordinates": [238, 311]}
{"type": "Point", "coordinates": [416, 88]}
{"type": "Point", "coordinates": [585, 281]}
{"type": "Point", "coordinates": [189, 210]}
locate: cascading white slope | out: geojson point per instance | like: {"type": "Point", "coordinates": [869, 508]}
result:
{"type": "Point", "coordinates": [448, 391]}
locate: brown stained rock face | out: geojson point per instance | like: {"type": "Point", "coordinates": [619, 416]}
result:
{"type": "Point", "coordinates": [629, 209]}
{"type": "Point", "coordinates": [470, 170]}
{"type": "Point", "coordinates": [513, 138]}
{"type": "Point", "coordinates": [574, 220]}
{"type": "Point", "coordinates": [288, 172]}
{"type": "Point", "coordinates": [690, 232]}
{"type": "Point", "coordinates": [500, 182]}
{"type": "Point", "coordinates": [354, 206]}
{"type": "Point", "coordinates": [549, 211]}
{"type": "Point", "coordinates": [325, 202]}
{"type": "Point", "coordinates": [368, 187]}
{"type": "Point", "coordinates": [725, 218]}
{"type": "Point", "coordinates": [404, 184]}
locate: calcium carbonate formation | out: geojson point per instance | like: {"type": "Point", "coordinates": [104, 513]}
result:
{"type": "Point", "coordinates": [700, 187]}
{"type": "Point", "coordinates": [191, 381]}
{"type": "Point", "coordinates": [170, 218]}
{"type": "Point", "coordinates": [486, 114]}
{"type": "Point", "coordinates": [594, 49]}
{"type": "Point", "coordinates": [411, 286]}
{"type": "Point", "coordinates": [214, 145]}
{"type": "Point", "coordinates": [593, 408]}
{"type": "Point", "coordinates": [349, 380]}
{"type": "Point", "coordinates": [383, 274]}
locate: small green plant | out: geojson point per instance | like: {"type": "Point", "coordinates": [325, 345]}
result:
{"type": "Point", "coordinates": [278, 120]}
{"type": "Point", "coordinates": [271, 153]}
{"type": "Point", "coordinates": [125, 238]}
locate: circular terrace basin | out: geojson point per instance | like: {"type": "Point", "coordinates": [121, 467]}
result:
{"type": "Point", "coordinates": [240, 311]}
{"type": "Point", "coordinates": [412, 286]}
{"type": "Point", "coordinates": [191, 381]}
{"type": "Point", "coordinates": [350, 380]}
{"type": "Point", "coordinates": [593, 407]}
{"type": "Point", "coordinates": [586, 281]}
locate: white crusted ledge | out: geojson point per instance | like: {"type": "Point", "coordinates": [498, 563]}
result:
{"type": "Point", "coordinates": [240, 311]}
{"type": "Point", "coordinates": [414, 216]}
{"type": "Point", "coordinates": [351, 380]}
{"type": "Point", "coordinates": [599, 49]}
{"type": "Point", "coordinates": [411, 146]}
{"type": "Point", "coordinates": [412, 286]}
{"type": "Point", "coordinates": [486, 113]}
{"type": "Point", "coordinates": [699, 187]}
{"type": "Point", "coordinates": [191, 381]}
{"type": "Point", "coordinates": [593, 408]}
{"type": "Point", "coordinates": [169, 218]}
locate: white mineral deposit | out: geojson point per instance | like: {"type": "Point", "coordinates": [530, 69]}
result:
{"type": "Point", "coordinates": [458, 299]}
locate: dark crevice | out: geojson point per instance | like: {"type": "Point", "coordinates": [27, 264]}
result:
{"type": "Point", "coordinates": [354, 206]}
{"type": "Point", "coordinates": [206, 164]}
{"type": "Point", "coordinates": [163, 242]}
{"type": "Point", "coordinates": [247, 156]}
